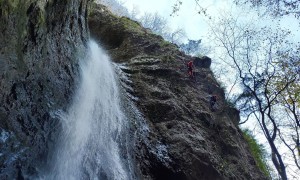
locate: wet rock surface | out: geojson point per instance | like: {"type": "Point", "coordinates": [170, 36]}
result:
{"type": "Point", "coordinates": [41, 43]}
{"type": "Point", "coordinates": [184, 139]}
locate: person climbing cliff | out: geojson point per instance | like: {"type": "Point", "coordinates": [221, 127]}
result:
{"type": "Point", "coordinates": [212, 102]}
{"type": "Point", "coordinates": [190, 66]}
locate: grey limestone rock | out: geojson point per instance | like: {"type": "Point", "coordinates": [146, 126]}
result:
{"type": "Point", "coordinates": [41, 42]}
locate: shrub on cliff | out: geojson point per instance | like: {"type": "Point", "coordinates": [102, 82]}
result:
{"type": "Point", "coordinates": [257, 151]}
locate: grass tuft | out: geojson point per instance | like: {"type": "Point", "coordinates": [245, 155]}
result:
{"type": "Point", "coordinates": [257, 151]}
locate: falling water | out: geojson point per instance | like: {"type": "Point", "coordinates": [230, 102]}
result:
{"type": "Point", "coordinates": [93, 126]}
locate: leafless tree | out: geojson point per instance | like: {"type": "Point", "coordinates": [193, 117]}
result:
{"type": "Point", "coordinates": [155, 22]}
{"type": "Point", "coordinates": [176, 36]}
{"type": "Point", "coordinates": [276, 7]}
{"type": "Point", "coordinates": [252, 51]}
{"type": "Point", "coordinates": [198, 4]}
{"type": "Point", "coordinates": [134, 13]}
{"type": "Point", "coordinates": [160, 26]}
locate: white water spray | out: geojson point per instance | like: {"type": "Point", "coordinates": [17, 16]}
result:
{"type": "Point", "coordinates": [92, 126]}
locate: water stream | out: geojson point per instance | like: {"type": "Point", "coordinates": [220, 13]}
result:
{"type": "Point", "coordinates": [93, 126]}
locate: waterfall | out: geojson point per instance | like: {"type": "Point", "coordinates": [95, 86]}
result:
{"type": "Point", "coordinates": [93, 126]}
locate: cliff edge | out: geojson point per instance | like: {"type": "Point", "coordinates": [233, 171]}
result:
{"type": "Point", "coordinates": [185, 139]}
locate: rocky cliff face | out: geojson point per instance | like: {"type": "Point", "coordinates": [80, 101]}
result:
{"type": "Point", "coordinates": [185, 139]}
{"type": "Point", "coordinates": [41, 42]}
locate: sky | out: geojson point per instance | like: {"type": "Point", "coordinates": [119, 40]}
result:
{"type": "Point", "coordinates": [195, 25]}
{"type": "Point", "coordinates": [187, 18]}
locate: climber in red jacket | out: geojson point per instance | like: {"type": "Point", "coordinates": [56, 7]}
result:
{"type": "Point", "coordinates": [190, 66]}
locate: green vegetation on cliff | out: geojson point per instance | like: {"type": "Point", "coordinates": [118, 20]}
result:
{"type": "Point", "coordinates": [257, 151]}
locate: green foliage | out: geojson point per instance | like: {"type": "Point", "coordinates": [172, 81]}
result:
{"type": "Point", "coordinates": [165, 43]}
{"type": "Point", "coordinates": [7, 7]}
{"type": "Point", "coordinates": [91, 7]}
{"type": "Point", "coordinates": [131, 25]}
{"type": "Point", "coordinates": [21, 29]}
{"type": "Point", "coordinates": [257, 151]}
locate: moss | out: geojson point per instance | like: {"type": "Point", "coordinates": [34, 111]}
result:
{"type": "Point", "coordinates": [223, 165]}
{"type": "Point", "coordinates": [39, 18]}
{"type": "Point", "coordinates": [42, 17]}
{"type": "Point", "coordinates": [16, 11]}
{"type": "Point", "coordinates": [167, 58]}
{"type": "Point", "coordinates": [6, 7]}
{"type": "Point", "coordinates": [10, 3]}
{"type": "Point", "coordinates": [258, 152]}
{"type": "Point", "coordinates": [10, 6]}
{"type": "Point", "coordinates": [91, 7]}
{"type": "Point", "coordinates": [131, 25]}
{"type": "Point", "coordinates": [165, 43]}
{"type": "Point", "coordinates": [21, 29]}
